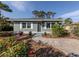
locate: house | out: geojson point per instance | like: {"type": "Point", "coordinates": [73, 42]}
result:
{"type": "Point", "coordinates": [33, 24]}
{"type": "Point", "coordinates": [71, 27]}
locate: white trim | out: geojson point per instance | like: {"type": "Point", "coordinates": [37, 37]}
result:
{"type": "Point", "coordinates": [26, 25]}
{"type": "Point", "coordinates": [31, 25]}
{"type": "Point", "coordinates": [50, 25]}
{"type": "Point", "coordinates": [41, 27]}
{"type": "Point", "coordinates": [20, 25]}
{"type": "Point", "coordinates": [45, 25]}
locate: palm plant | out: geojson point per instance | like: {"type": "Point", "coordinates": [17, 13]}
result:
{"type": "Point", "coordinates": [53, 14]}
{"type": "Point", "coordinates": [39, 14]}
{"type": "Point", "coordinates": [35, 13]}
{"type": "Point", "coordinates": [42, 14]}
{"type": "Point", "coordinates": [68, 21]}
{"type": "Point", "coordinates": [49, 14]}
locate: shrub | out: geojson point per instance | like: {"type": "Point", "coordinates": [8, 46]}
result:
{"type": "Point", "coordinates": [75, 31]}
{"type": "Point", "coordinates": [21, 50]}
{"type": "Point", "coordinates": [20, 33]}
{"type": "Point", "coordinates": [9, 41]}
{"type": "Point", "coordinates": [58, 31]}
{"type": "Point", "coordinates": [45, 33]}
{"type": "Point", "coordinates": [11, 48]}
{"type": "Point", "coordinates": [18, 50]}
{"type": "Point", "coordinates": [30, 33]}
{"type": "Point", "coordinates": [2, 45]}
{"type": "Point", "coordinates": [6, 28]}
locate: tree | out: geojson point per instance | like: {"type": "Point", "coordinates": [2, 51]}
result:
{"type": "Point", "coordinates": [39, 14]}
{"type": "Point", "coordinates": [53, 14]}
{"type": "Point", "coordinates": [3, 18]}
{"type": "Point", "coordinates": [35, 13]}
{"type": "Point", "coordinates": [50, 14]}
{"type": "Point", "coordinates": [4, 7]}
{"type": "Point", "coordinates": [43, 14]}
{"type": "Point", "coordinates": [68, 21]}
{"type": "Point", "coordinates": [59, 18]}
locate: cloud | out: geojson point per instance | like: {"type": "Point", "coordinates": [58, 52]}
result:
{"type": "Point", "coordinates": [71, 14]}
{"type": "Point", "coordinates": [74, 15]}
{"type": "Point", "coordinates": [21, 5]}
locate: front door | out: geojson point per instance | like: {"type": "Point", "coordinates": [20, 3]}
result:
{"type": "Point", "coordinates": [39, 27]}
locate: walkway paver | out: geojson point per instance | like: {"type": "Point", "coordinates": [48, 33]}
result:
{"type": "Point", "coordinates": [65, 44]}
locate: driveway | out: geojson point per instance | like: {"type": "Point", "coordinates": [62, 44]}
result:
{"type": "Point", "coordinates": [65, 44]}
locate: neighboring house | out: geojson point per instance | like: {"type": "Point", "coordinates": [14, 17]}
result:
{"type": "Point", "coordinates": [68, 27]}
{"type": "Point", "coordinates": [35, 25]}
{"type": "Point", "coordinates": [71, 27]}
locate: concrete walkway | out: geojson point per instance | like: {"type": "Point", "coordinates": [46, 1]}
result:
{"type": "Point", "coordinates": [65, 44]}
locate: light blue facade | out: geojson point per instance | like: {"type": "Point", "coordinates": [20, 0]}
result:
{"type": "Point", "coordinates": [36, 26]}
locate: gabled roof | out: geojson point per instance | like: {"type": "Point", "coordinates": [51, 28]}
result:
{"type": "Point", "coordinates": [33, 19]}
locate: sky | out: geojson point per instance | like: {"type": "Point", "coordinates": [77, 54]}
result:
{"type": "Point", "coordinates": [23, 9]}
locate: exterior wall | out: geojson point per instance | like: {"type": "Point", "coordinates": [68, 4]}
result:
{"type": "Point", "coordinates": [44, 29]}
{"type": "Point", "coordinates": [48, 30]}
{"type": "Point", "coordinates": [34, 29]}
{"type": "Point", "coordinates": [18, 27]}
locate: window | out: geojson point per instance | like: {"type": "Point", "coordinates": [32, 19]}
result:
{"type": "Point", "coordinates": [47, 25]}
{"type": "Point", "coordinates": [52, 24]}
{"type": "Point", "coordinates": [43, 24]}
{"type": "Point", "coordinates": [23, 25]}
{"type": "Point", "coordinates": [28, 24]}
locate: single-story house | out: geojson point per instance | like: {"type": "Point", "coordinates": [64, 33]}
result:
{"type": "Point", "coordinates": [33, 24]}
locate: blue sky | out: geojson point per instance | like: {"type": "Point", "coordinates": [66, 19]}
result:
{"type": "Point", "coordinates": [24, 9]}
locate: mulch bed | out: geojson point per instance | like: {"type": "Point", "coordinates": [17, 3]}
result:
{"type": "Point", "coordinates": [6, 33]}
{"type": "Point", "coordinates": [47, 36]}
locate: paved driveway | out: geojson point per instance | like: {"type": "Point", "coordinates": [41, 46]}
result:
{"type": "Point", "coordinates": [65, 44]}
